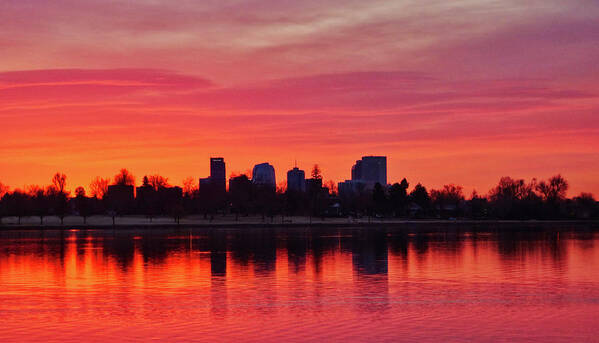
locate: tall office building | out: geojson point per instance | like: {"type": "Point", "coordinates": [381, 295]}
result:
{"type": "Point", "coordinates": [264, 174]}
{"type": "Point", "coordinates": [366, 173]}
{"type": "Point", "coordinates": [216, 183]}
{"type": "Point", "coordinates": [296, 180]}
{"type": "Point", "coordinates": [370, 169]}
{"type": "Point", "coordinates": [218, 174]}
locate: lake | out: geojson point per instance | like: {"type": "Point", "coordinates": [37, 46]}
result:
{"type": "Point", "coordinates": [447, 283]}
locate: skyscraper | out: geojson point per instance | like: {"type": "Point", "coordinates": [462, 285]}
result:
{"type": "Point", "coordinates": [216, 183]}
{"type": "Point", "coordinates": [264, 174]}
{"type": "Point", "coordinates": [371, 169]}
{"type": "Point", "coordinates": [367, 172]}
{"type": "Point", "coordinates": [218, 174]}
{"type": "Point", "coordinates": [296, 180]}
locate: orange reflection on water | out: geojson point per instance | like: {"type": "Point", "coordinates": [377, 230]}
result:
{"type": "Point", "coordinates": [320, 284]}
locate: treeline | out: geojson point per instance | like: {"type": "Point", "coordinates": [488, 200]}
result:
{"type": "Point", "coordinates": [510, 199]}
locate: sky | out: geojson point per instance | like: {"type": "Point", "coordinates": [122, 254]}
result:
{"type": "Point", "coordinates": [460, 92]}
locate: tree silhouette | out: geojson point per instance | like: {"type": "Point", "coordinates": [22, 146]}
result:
{"type": "Point", "coordinates": [157, 182]}
{"type": "Point", "coordinates": [553, 190]}
{"type": "Point", "coordinates": [316, 172]}
{"type": "Point", "coordinates": [190, 186]}
{"type": "Point", "coordinates": [420, 197]}
{"type": "Point", "coordinates": [398, 196]}
{"type": "Point", "coordinates": [332, 186]}
{"type": "Point", "coordinates": [58, 196]}
{"type": "Point", "coordinates": [60, 182]}
{"type": "Point", "coordinates": [124, 178]}
{"type": "Point", "coordinates": [447, 200]}
{"type": "Point", "coordinates": [16, 204]}
{"type": "Point", "coordinates": [39, 202]}
{"type": "Point", "coordinates": [514, 198]}
{"type": "Point", "coordinates": [585, 206]}
{"type": "Point", "coordinates": [82, 204]}
{"type": "Point", "coordinates": [3, 189]}
{"type": "Point", "coordinates": [98, 187]}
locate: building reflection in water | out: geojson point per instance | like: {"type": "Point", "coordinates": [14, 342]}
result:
{"type": "Point", "coordinates": [279, 266]}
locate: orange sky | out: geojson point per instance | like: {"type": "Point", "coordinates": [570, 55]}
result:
{"type": "Point", "coordinates": [462, 92]}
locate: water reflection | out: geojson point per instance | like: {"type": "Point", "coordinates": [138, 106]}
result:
{"type": "Point", "coordinates": [201, 281]}
{"type": "Point", "coordinates": [262, 249]}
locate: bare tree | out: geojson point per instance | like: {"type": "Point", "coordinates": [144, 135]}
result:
{"type": "Point", "coordinates": [332, 186]}
{"type": "Point", "coordinates": [190, 186]}
{"type": "Point", "coordinates": [448, 198]}
{"type": "Point", "coordinates": [98, 187]}
{"type": "Point", "coordinates": [57, 196]}
{"type": "Point", "coordinates": [316, 172]}
{"type": "Point", "coordinates": [124, 178]}
{"type": "Point", "coordinates": [3, 189]}
{"type": "Point", "coordinates": [80, 192]}
{"type": "Point", "coordinates": [554, 189]}
{"type": "Point", "coordinates": [82, 203]}
{"type": "Point", "coordinates": [157, 182]}
{"type": "Point", "coordinates": [59, 181]}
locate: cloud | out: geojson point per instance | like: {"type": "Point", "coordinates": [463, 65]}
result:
{"type": "Point", "coordinates": [103, 77]}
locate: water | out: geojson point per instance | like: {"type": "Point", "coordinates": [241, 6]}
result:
{"type": "Point", "coordinates": [275, 285]}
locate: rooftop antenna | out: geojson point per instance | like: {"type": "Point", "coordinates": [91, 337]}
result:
{"type": "Point", "coordinates": [296, 163]}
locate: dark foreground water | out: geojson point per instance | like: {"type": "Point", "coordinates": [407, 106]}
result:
{"type": "Point", "coordinates": [276, 285]}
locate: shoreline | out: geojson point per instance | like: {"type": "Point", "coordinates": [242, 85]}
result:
{"type": "Point", "coordinates": [141, 222]}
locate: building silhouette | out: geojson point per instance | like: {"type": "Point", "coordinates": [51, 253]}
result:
{"type": "Point", "coordinates": [366, 173]}
{"type": "Point", "coordinates": [217, 174]}
{"type": "Point", "coordinates": [296, 180]}
{"type": "Point", "coordinates": [216, 183]}
{"type": "Point", "coordinates": [370, 169]}
{"type": "Point", "coordinates": [264, 174]}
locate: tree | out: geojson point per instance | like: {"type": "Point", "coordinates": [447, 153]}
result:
{"type": "Point", "coordinates": [190, 186]}
{"type": "Point", "coordinates": [60, 182]}
{"type": "Point", "coordinates": [585, 206]}
{"type": "Point", "coordinates": [511, 189]}
{"type": "Point", "coordinates": [157, 182]}
{"type": "Point", "coordinates": [124, 178]}
{"type": "Point", "coordinates": [332, 186]}
{"type": "Point", "coordinates": [82, 204]}
{"type": "Point", "coordinates": [99, 187]}
{"type": "Point", "coordinates": [16, 204]}
{"type": "Point", "coordinates": [316, 172]}
{"type": "Point", "coordinates": [79, 192]}
{"type": "Point", "coordinates": [514, 198]}
{"type": "Point", "coordinates": [554, 190]}
{"type": "Point", "coordinates": [448, 199]}
{"type": "Point", "coordinates": [3, 189]}
{"type": "Point", "coordinates": [398, 196]}
{"type": "Point", "coordinates": [39, 201]}
{"type": "Point", "coordinates": [58, 196]}
{"type": "Point", "coordinates": [420, 197]}
{"type": "Point", "coordinates": [477, 205]}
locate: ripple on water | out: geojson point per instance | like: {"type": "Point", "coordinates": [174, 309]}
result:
{"type": "Point", "coordinates": [308, 285]}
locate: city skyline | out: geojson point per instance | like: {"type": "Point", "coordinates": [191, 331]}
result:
{"type": "Point", "coordinates": [216, 169]}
